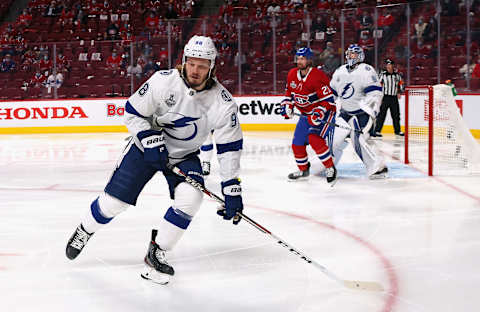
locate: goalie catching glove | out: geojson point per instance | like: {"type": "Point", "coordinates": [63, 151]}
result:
{"type": "Point", "coordinates": [286, 109]}
{"type": "Point", "coordinates": [154, 150]}
{"type": "Point", "coordinates": [232, 191]}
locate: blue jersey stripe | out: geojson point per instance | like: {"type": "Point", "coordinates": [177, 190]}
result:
{"type": "Point", "coordinates": [230, 147]}
{"type": "Point", "coordinates": [129, 108]}
{"type": "Point", "coordinates": [372, 88]}
{"type": "Point", "coordinates": [206, 148]}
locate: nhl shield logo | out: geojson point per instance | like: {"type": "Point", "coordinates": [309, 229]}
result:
{"type": "Point", "coordinates": [293, 85]}
{"type": "Point", "coordinates": [225, 96]}
{"type": "Point", "coordinates": [171, 100]}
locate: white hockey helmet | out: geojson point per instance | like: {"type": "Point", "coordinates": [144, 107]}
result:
{"type": "Point", "coordinates": [201, 47]}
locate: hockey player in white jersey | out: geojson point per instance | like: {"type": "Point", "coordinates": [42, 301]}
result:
{"type": "Point", "coordinates": [358, 97]}
{"type": "Point", "coordinates": [169, 117]}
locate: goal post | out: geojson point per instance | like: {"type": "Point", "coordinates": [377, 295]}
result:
{"type": "Point", "coordinates": [436, 136]}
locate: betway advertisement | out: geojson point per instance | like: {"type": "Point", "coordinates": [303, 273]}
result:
{"type": "Point", "coordinates": [252, 110]}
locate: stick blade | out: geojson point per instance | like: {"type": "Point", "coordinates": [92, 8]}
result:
{"type": "Point", "coordinates": [363, 285]}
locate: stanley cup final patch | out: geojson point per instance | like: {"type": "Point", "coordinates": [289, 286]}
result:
{"type": "Point", "coordinates": [170, 101]}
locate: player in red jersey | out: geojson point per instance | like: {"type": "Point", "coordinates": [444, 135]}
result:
{"type": "Point", "coordinates": [308, 90]}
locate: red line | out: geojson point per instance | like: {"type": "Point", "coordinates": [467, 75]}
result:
{"type": "Point", "coordinates": [393, 281]}
{"type": "Point", "coordinates": [387, 265]}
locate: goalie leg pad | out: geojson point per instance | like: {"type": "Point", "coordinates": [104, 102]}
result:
{"type": "Point", "coordinates": [372, 160]}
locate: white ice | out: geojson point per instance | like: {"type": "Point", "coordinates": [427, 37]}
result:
{"type": "Point", "coordinates": [417, 236]}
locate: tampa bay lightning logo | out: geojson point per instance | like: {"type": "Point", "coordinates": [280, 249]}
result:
{"type": "Point", "coordinates": [348, 91]}
{"type": "Point", "coordinates": [183, 128]}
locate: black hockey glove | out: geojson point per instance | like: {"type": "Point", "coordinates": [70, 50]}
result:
{"type": "Point", "coordinates": [232, 191]}
{"type": "Point", "coordinates": [155, 152]}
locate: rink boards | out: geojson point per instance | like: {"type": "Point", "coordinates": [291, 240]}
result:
{"type": "Point", "coordinates": [258, 113]}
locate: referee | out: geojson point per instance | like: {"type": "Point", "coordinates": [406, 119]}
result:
{"type": "Point", "coordinates": [392, 84]}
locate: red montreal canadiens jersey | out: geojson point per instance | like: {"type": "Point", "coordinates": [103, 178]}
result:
{"type": "Point", "coordinates": [309, 92]}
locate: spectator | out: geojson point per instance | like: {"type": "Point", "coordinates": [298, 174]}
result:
{"type": "Point", "coordinates": [366, 21]}
{"type": "Point", "coordinates": [319, 25]}
{"type": "Point", "coordinates": [430, 32]}
{"type": "Point", "coordinates": [151, 22]}
{"type": "Point", "coordinates": [38, 80]}
{"type": "Point", "coordinates": [385, 21]}
{"type": "Point", "coordinates": [45, 64]}
{"type": "Point", "coordinates": [171, 13]}
{"type": "Point", "coordinates": [240, 59]}
{"type": "Point", "coordinates": [326, 52]}
{"type": "Point", "coordinates": [150, 68]}
{"type": "Point", "coordinates": [54, 81]}
{"type": "Point", "coordinates": [24, 19]}
{"type": "Point", "coordinates": [53, 9]}
{"type": "Point", "coordinates": [112, 31]}
{"type": "Point", "coordinates": [476, 69]}
{"type": "Point", "coordinates": [114, 60]}
{"type": "Point", "coordinates": [163, 55]}
{"type": "Point", "coordinates": [331, 64]}
{"type": "Point", "coordinates": [420, 27]}
{"type": "Point", "coordinates": [285, 47]}
{"type": "Point", "coordinates": [135, 69]}
{"type": "Point", "coordinates": [8, 65]}
{"type": "Point", "coordinates": [67, 17]}
{"type": "Point", "coordinates": [273, 9]}
{"type": "Point", "coordinates": [463, 70]}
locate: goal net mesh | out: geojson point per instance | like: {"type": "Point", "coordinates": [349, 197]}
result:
{"type": "Point", "coordinates": [453, 149]}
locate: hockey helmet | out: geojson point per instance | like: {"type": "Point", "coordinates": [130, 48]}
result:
{"type": "Point", "coordinates": [389, 61]}
{"type": "Point", "coordinates": [201, 47]}
{"type": "Point", "coordinates": [305, 52]}
{"type": "Point", "coordinates": [354, 55]}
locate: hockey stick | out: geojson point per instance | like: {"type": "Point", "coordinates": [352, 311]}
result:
{"type": "Point", "coordinates": [359, 285]}
{"type": "Point", "coordinates": [334, 124]}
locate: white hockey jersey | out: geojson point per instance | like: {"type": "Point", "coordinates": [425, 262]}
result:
{"type": "Point", "coordinates": [187, 116]}
{"type": "Point", "coordinates": [357, 90]}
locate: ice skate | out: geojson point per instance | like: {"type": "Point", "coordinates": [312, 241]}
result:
{"type": "Point", "coordinates": [157, 268]}
{"type": "Point", "coordinates": [299, 175]}
{"type": "Point", "coordinates": [206, 168]}
{"type": "Point", "coordinates": [331, 174]}
{"type": "Point", "coordinates": [380, 174]}
{"type": "Point", "coordinates": [77, 242]}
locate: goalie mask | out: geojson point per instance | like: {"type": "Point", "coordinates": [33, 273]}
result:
{"type": "Point", "coordinates": [354, 55]}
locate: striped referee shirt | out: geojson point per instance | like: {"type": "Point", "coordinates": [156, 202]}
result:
{"type": "Point", "coordinates": [390, 82]}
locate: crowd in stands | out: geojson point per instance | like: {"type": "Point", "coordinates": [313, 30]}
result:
{"type": "Point", "coordinates": [93, 51]}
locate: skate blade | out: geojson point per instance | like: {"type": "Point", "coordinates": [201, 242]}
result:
{"type": "Point", "coordinates": [378, 176]}
{"type": "Point", "coordinates": [297, 179]}
{"type": "Point", "coordinates": [155, 276]}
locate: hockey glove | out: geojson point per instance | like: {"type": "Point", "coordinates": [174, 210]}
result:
{"type": "Point", "coordinates": [232, 191]}
{"type": "Point", "coordinates": [155, 152]}
{"type": "Point", "coordinates": [286, 109]}
{"type": "Point", "coordinates": [318, 114]}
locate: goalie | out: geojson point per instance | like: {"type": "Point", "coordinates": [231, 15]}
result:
{"type": "Point", "coordinates": [358, 96]}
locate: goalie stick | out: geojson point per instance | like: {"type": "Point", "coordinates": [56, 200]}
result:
{"type": "Point", "coordinates": [358, 285]}
{"type": "Point", "coordinates": [334, 124]}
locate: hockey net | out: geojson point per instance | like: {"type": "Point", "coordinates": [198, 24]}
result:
{"type": "Point", "coordinates": [437, 139]}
